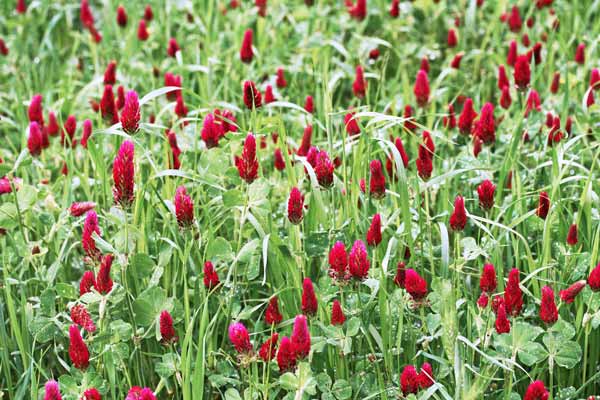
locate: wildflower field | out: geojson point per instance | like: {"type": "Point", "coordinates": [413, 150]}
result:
{"type": "Point", "coordinates": [318, 199]}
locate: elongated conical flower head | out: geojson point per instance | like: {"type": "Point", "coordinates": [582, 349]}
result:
{"type": "Point", "coordinates": [121, 16]}
{"type": "Point", "coordinates": [594, 279]}
{"type": "Point", "coordinates": [502, 324]}
{"type": "Point", "coordinates": [35, 110]}
{"type": "Point", "coordinates": [211, 278]}
{"type": "Point", "coordinates": [124, 174]}
{"type": "Point", "coordinates": [543, 205]}
{"type": "Point", "coordinates": [88, 280]}
{"type": "Point", "coordinates": [286, 356]}
{"type": "Point", "coordinates": [485, 191]}
{"type": "Point", "coordinates": [374, 232]}
{"type": "Point", "coordinates": [338, 261]}
{"type": "Point", "coordinates": [536, 391]}
{"type": "Point", "coordinates": [272, 314]}
{"type": "Point", "coordinates": [247, 164]}
{"type": "Point", "coordinates": [548, 310]}
{"type": "Point", "coordinates": [409, 380]}
{"type": "Point", "coordinates": [522, 72]}
{"type": "Point", "coordinates": [295, 206]}
{"type": "Point", "coordinates": [90, 226]}
{"type": "Point", "coordinates": [130, 116]}
{"type": "Point", "coordinates": [513, 296]}
{"type": "Point", "coordinates": [358, 261]}
{"type": "Point", "coordinates": [421, 88]}
{"type": "Point", "coordinates": [246, 53]}
{"type": "Point", "coordinates": [78, 351]}
{"type": "Point", "coordinates": [35, 139]}
{"type": "Point", "coordinates": [569, 294]}
{"type": "Point", "coordinates": [81, 317]}
{"type": "Point", "coordinates": [104, 283]}
{"type": "Point", "coordinates": [458, 219]}
{"type": "Point", "coordinates": [466, 117]}
{"type": "Point", "coordinates": [52, 391]}
{"type": "Point", "coordinates": [415, 285]}
{"type": "Point", "coordinates": [359, 86]}
{"type": "Point", "coordinates": [324, 169]}
{"type": "Point", "coordinates": [488, 282]}
{"type": "Point", "coordinates": [167, 332]}
{"type": "Point", "coordinates": [184, 208]}
{"type": "Point", "coordinates": [252, 96]}
{"type": "Point", "coordinates": [269, 348]}
{"type": "Point", "coordinates": [300, 337]}
{"type": "Point", "coordinates": [238, 335]}
{"type": "Point", "coordinates": [108, 107]}
{"type": "Point", "coordinates": [572, 235]}
{"type": "Point", "coordinates": [377, 180]}
{"type": "Point", "coordinates": [309, 299]}
{"type": "Point", "coordinates": [337, 314]}
{"type": "Point", "coordinates": [485, 128]}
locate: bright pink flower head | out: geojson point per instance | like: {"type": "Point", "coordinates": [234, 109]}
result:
{"type": "Point", "coordinates": [247, 164]}
{"type": "Point", "coordinates": [514, 20]}
{"type": "Point", "coordinates": [458, 219]}
{"type": "Point", "coordinates": [87, 282]}
{"type": "Point", "coordinates": [295, 206]}
{"type": "Point", "coordinates": [324, 169]}
{"type": "Point", "coordinates": [358, 261]}
{"type": "Point", "coordinates": [513, 296]}
{"type": "Point", "coordinates": [426, 376]}
{"type": "Point", "coordinates": [421, 88]}
{"type": "Point", "coordinates": [486, 191]}
{"type": "Point", "coordinates": [502, 324]}
{"type": "Point", "coordinates": [68, 133]}
{"type": "Point", "coordinates": [337, 314]}
{"type": "Point", "coordinates": [246, 53]}
{"type": "Point", "coordinates": [572, 235]}
{"type": "Point", "coordinates": [35, 139]}
{"type": "Point", "coordinates": [211, 278]}
{"type": "Point", "coordinates": [184, 208]}
{"type": "Point", "coordinates": [286, 356]}
{"type": "Point", "coordinates": [485, 128]}
{"type": "Point", "coordinates": [409, 380]}
{"type": "Point", "coordinates": [130, 116]}
{"type": "Point", "coordinates": [452, 40]}
{"type": "Point", "coordinates": [543, 205]}
{"type": "Point", "coordinates": [594, 279]}
{"type": "Point", "coordinates": [548, 310]}
{"type": "Point", "coordinates": [580, 54]}
{"type": "Point", "coordinates": [536, 391]}
{"type": "Point", "coordinates": [77, 209]}
{"type": "Point", "coordinates": [351, 124]}
{"type": "Point", "coordinates": [522, 72]}
{"type": "Point", "coordinates": [568, 295]}
{"type": "Point", "coordinates": [35, 110]}
{"type": "Point", "coordinates": [374, 232]}
{"type": "Point", "coordinates": [52, 391]}
{"type": "Point", "coordinates": [338, 261]}
{"type": "Point", "coordinates": [252, 96]}
{"type": "Point", "coordinates": [167, 332]}
{"type": "Point", "coordinates": [238, 335]}
{"type": "Point", "coordinates": [272, 314]}
{"type": "Point", "coordinates": [466, 118]}
{"type": "Point", "coordinates": [415, 285]}
{"type": "Point", "coordinates": [400, 277]}
{"type": "Point", "coordinates": [91, 394]}
{"type": "Point", "coordinates": [358, 11]}
{"type": "Point", "coordinates": [121, 16]}
{"type": "Point", "coordinates": [511, 57]}
{"type": "Point", "coordinates": [359, 86]}
{"type": "Point", "coordinates": [90, 226]}
{"type": "Point", "coordinates": [110, 74]}
{"type": "Point", "coordinates": [309, 104]}
{"type": "Point", "coordinates": [172, 47]}
{"type": "Point", "coordinates": [78, 351]}
{"type": "Point", "coordinates": [81, 317]}
{"type": "Point", "coordinates": [300, 337]}
{"type": "Point", "coordinates": [487, 282]}
{"type": "Point", "coordinates": [142, 32]}
{"type": "Point", "coordinates": [137, 393]}
{"type": "Point", "coordinates": [124, 174]}
{"type": "Point", "coordinates": [377, 180]}
{"type": "Point", "coordinates": [309, 299]}
{"type": "Point", "coordinates": [103, 282]}
{"type": "Point", "coordinates": [280, 81]}
{"type": "Point", "coordinates": [268, 349]}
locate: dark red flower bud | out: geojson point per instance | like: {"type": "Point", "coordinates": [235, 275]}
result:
{"type": "Point", "coordinates": [374, 232]}
{"type": "Point", "coordinates": [338, 261]}
{"type": "Point", "coordinates": [458, 219]}
{"type": "Point", "coordinates": [238, 335]}
{"type": "Point", "coordinates": [130, 117]}
{"type": "Point", "coordinates": [35, 110]}
{"type": "Point", "coordinates": [522, 73]}
{"type": "Point", "coordinates": [268, 349]}
{"type": "Point", "coordinates": [425, 64]}
{"type": "Point", "coordinates": [246, 53]}
{"type": "Point", "coordinates": [359, 86]}
{"type": "Point", "coordinates": [421, 88]}
{"type": "Point", "coordinates": [148, 13]}
{"type": "Point", "coordinates": [455, 63]}
{"type": "Point", "coordinates": [184, 208]}
{"type": "Point", "coordinates": [568, 295]}
{"type": "Point", "coordinates": [485, 128]}
{"type": "Point", "coordinates": [252, 96]}
{"type": "Point", "coordinates": [525, 40]}
{"type": "Point", "coordinates": [67, 135]}
{"type": "Point", "coordinates": [103, 282]}
{"type": "Point", "coordinates": [124, 174]}
{"type": "Point", "coordinates": [90, 227]}
{"type": "Point", "coordinates": [505, 100]}
{"type": "Point", "coordinates": [358, 261]}
{"type": "Point", "coordinates": [278, 162]}
{"type": "Point", "coordinates": [295, 206]}
{"type": "Point", "coordinates": [543, 205]}
{"type": "Point", "coordinates": [309, 299]}
{"type": "Point", "coordinates": [572, 235]}
{"type": "Point", "coordinates": [424, 162]}
{"type": "Point", "coordinates": [269, 96]}
{"type": "Point", "coordinates": [21, 8]}
{"type": "Point", "coordinates": [377, 180]}
{"type": "Point", "coordinates": [409, 380]}
{"type": "Point", "coordinates": [513, 296]}
{"type": "Point", "coordinates": [91, 394]}
{"type": "Point", "coordinates": [395, 9]}
{"type": "Point", "coordinates": [110, 74]}
{"type": "Point", "coordinates": [280, 81]}
{"type": "Point", "coordinates": [174, 163]}
{"type": "Point", "coordinates": [272, 314]}
{"type": "Point", "coordinates": [415, 285]}
{"type": "Point", "coordinates": [400, 277]}
{"type": "Point", "coordinates": [247, 164]}
{"type": "Point", "coordinates": [502, 78]}
{"type": "Point", "coordinates": [121, 16]}
{"type": "Point", "coordinates": [337, 314]}
{"type": "Point", "coordinates": [359, 10]}
{"type": "Point", "coordinates": [211, 279]}
{"type": "Point", "coordinates": [167, 332]}
{"type": "Point", "coordinates": [286, 356]}
{"type": "Point", "coordinates": [172, 47]}
{"type": "Point", "coordinates": [452, 40]}
{"type": "Point", "coordinates": [580, 54]}
{"type": "Point", "coordinates": [85, 15]}
{"type": "Point", "coordinates": [324, 169]}
{"type": "Point", "coordinates": [514, 20]}
{"type": "Point", "coordinates": [87, 282]}
{"type": "Point", "coordinates": [52, 128]}
{"type": "Point", "coordinates": [485, 191]}
{"type": "Point", "coordinates": [502, 323]}
{"type": "Point", "coordinates": [594, 279]}
{"type": "Point", "coordinates": [81, 317]}
{"type": "Point", "coordinates": [142, 32]}
{"type": "Point", "coordinates": [536, 391]}
{"type": "Point", "coordinates": [374, 54]}
{"type": "Point", "coordinates": [108, 108]}
{"type": "Point", "coordinates": [35, 139]}
{"type": "Point", "coordinates": [308, 104]}
{"type": "Point", "coordinates": [482, 301]}
{"type": "Point", "coordinates": [300, 337]}
{"type": "Point", "coordinates": [409, 124]}
{"type": "Point", "coordinates": [537, 53]}
{"type": "Point", "coordinates": [487, 282]}
{"type": "Point", "coordinates": [511, 57]}
{"type": "Point", "coordinates": [351, 124]}
{"type": "Point", "coordinates": [426, 376]}
{"type": "Point", "coordinates": [78, 351]}
{"type": "Point", "coordinates": [51, 389]}
{"type": "Point", "coordinates": [78, 209]}
{"type": "Point", "coordinates": [211, 131]}
{"type": "Point", "coordinates": [449, 121]}
{"type": "Point", "coordinates": [466, 118]}
{"type": "Point", "coordinates": [548, 310]}
{"type": "Point", "coordinates": [555, 83]}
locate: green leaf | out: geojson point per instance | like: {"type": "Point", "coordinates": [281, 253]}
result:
{"type": "Point", "coordinates": [48, 301]}
{"type": "Point", "coordinates": [43, 329]}
{"type": "Point", "coordinates": [167, 367]}
{"type": "Point", "coordinates": [323, 382]}
{"type": "Point", "coordinates": [142, 265]}
{"type": "Point", "coordinates": [219, 249]}
{"type": "Point", "coordinates": [532, 353]}
{"type": "Point", "coordinates": [233, 198]}
{"type": "Point", "coordinates": [341, 389]}
{"type": "Point", "coordinates": [569, 354]}
{"type": "Point", "coordinates": [66, 291]}
{"type": "Point", "coordinates": [26, 196]}
{"type": "Point", "coordinates": [563, 329]}
{"type": "Point", "coordinates": [353, 326]}
{"type": "Point", "coordinates": [316, 244]}
{"type": "Point", "coordinates": [149, 305]}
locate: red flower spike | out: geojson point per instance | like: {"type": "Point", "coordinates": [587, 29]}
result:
{"type": "Point", "coordinates": [103, 282]}
{"type": "Point", "coordinates": [52, 128]}
{"type": "Point", "coordinates": [286, 356]}
{"type": "Point", "coordinates": [280, 81]}
{"type": "Point", "coordinates": [172, 47]}
{"type": "Point", "coordinates": [108, 108]}
{"type": "Point", "coordinates": [351, 124]}
{"type": "Point", "coordinates": [252, 96]}
{"type": "Point", "coordinates": [247, 164]}
{"type": "Point", "coordinates": [572, 235]}
{"type": "Point", "coordinates": [513, 296]}
{"type": "Point", "coordinates": [548, 310]}
{"type": "Point", "coordinates": [555, 83]}
{"type": "Point", "coordinates": [309, 299]}
{"type": "Point", "coordinates": [580, 54]}
{"type": "Point", "coordinates": [211, 279]}
{"type": "Point", "coordinates": [505, 99]}
{"type": "Point", "coordinates": [295, 206]}
{"type": "Point", "coordinates": [594, 279]}
{"type": "Point", "coordinates": [374, 232]}
{"type": "Point", "coordinates": [409, 380]}
{"type": "Point", "coordinates": [305, 145]}
{"type": "Point", "coordinates": [184, 208]}
{"type": "Point", "coordinates": [124, 174]}
{"type": "Point", "coordinates": [359, 86]}
{"type": "Point", "coordinates": [359, 10]}
{"type": "Point", "coordinates": [377, 180]}
{"type": "Point", "coordinates": [174, 81]}
{"type": "Point", "coordinates": [87, 282]}
{"type": "Point", "coordinates": [502, 324]}
{"type": "Point", "coordinates": [148, 13]}
{"type": "Point", "coordinates": [358, 261]}
{"type": "Point", "coordinates": [268, 349]}
{"type": "Point", "coordinates": [308, 104]}
{"type": "Point", "coordinates": [533, 102]}
{"type": "Point", "coordinates": [511, 57]}
{"type": "Point", "coordinates": [337, 314]}
{"type": "Point", "coordinates": [246, 53]}
{"type": "Point", "coordinates": [409, 124]}
{"type": "Point", "coordinates": [486, 191]}
{"type": "Point", "coordinates": [272, 314]}
{"type": "Point", "coordinates": [482, 301]}
{"type": "Point", "coordinates": [466, 118]}
{"type": "Point", "coordinates": [91, 394]}
{"type": "Point", "coordinates": [81, 317]}
{"type": "Point", "coordinates": [142, 32]}
{"type": "Point", "coordinates": [536, 391]}
{"type": "Point", "coordinates": [278, 162]}
{"type": "Point", "coordinates": [451, 39]}
{"type": "Point", "coordinates": [338, 261]}
{"type": "Point", "coordinates": [324, 169]}
{"type": "Point", "coordinates": [90, 226]}
{"type": "Point", "coordinates": [35, 110]}
{"type": "Point", "coordinates": [85, 15]}
{"type": "Point", "coordinates": [238, 335]}
{"type": "Point", "coordinates": [34, 140]}
{"type": "Point", "coordinates": [421, 88]}
{"type": "Point", "coordinates": [78, 351]}
{"type": "Point", "coordinates": [522, 72]}
{"type": "Point", "coordinates": [130, 117]}
{"type": "Point", "coordinates": [400, 277]}
{"type": "Point", "coordinates": [395, 8]}
{"type": "Point", "coordinates": [514, 20]}
{"type": "Point", "coordinates": [211, 131]}
{"type": "Point", "coordinates": [180, 108]}
{"type": "Point", "coordinates": [458, 219]}
{"type": "Point", "coordinates": [77, 209]}
{"type": "Point", "coordinates": [51, 389]}
{"type": "Point", "coordinates": [300, 337]}
{"type": "Point", "coordinates": [568, 295]}
{"type": "Point", "coordinates": [543, 205]}
{"type": "Point", "coordinates": [137, 393]}
{"type": "Point", "coordinates": [87, 132]}
{"type": "Point", "coordinates": [537, 53]}
{"type": "Point", "coordinates": [595, 79]}
{"type": "Point", "coordinates": [426, 376]}
{"type": "Point", "coordinates": [415, 285]}
{"type": "Point", "coordinates": [68, 131]}
{"type": "Point", "coordinates": [110, 74]}
{"type": "Point", "coordinates": [121, 16]}
{"type": "Point", "coordinates": [167, 332]}
{"type": "Point", "coordinates": [485, 128]}
{"type": "Point", "coordinates": [425, 64]}
{"type": "Point", "coordinates": [175, 163]}
{"type": "Point", "coordinates": [21, 7]}
{"type": "Point", "coordinates": [424, 163]}
{"type": "Point", "coordinates": [374, 54]}
{"type": "Point", "coordinates": [449, 121]}
{"type": "Point", "coordinates": [455, 63]}
{"type": "Point", "coordinates": [487, 282]}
